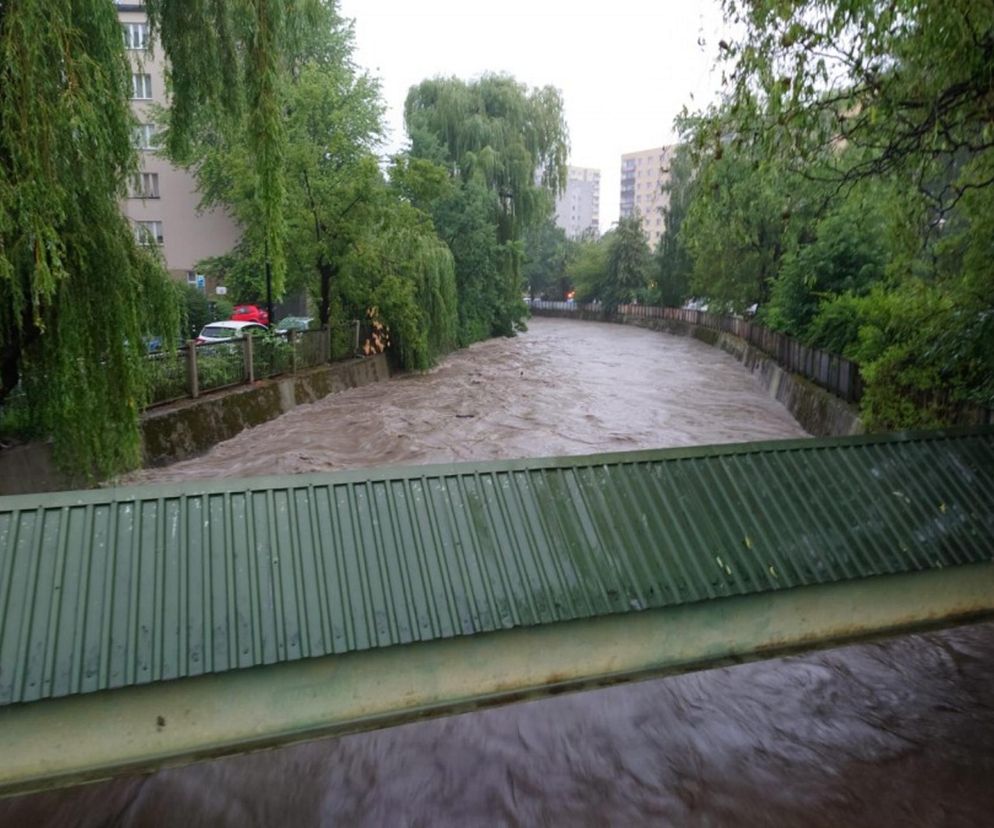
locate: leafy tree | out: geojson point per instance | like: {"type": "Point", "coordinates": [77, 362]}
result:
{"type": "Point", "coordinates": [330, 115]}
{"type": "Point", "coordinates": [735, 228]}
{"type": "Point", "coordinates": [77, 293]}
{"type": "Point", "coordinates": [546, 254]}
{"type": "Point", "coordinates": [589, 267]}
{"type": "Point", "coordinates": [882, 111]}
{"type": "Point", "coordinates": [196, 311]}
{"type": "Point", "coordinates": [628, 263]}
{"type": "Point", "coordinates": [401, 268]}
{"type": "Point", "coordinates": [616, 269]}
{"type": "Point", "coordinates": [905, 84]}
{"type": "Point", "coordinates": [846, 253]}
{"type": "Point", "coordinates": [465, 222]}
{"type": "Point", "coordinates": [351, 239]}
{"type": "Point", "coordinates": [494, 136]}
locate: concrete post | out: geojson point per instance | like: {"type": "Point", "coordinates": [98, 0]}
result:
{"type": "Point", "coordinates": [192, 379]}
{"type": "Point", "coordinates": [249, 365]}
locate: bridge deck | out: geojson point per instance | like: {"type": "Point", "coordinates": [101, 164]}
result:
{"type": "Point", "coordinates": [146, 626]}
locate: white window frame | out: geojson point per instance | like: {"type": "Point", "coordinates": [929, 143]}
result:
{"type": "Point", "coordinates": [135, 36]}
{"type": "Point", "coordinates": [144, 136]}
{"type": "Point", "coordinates": [145, 185]}
{"type": "Point", "coordinates": [141, 86]}
{"type": "Point", "coordinates": [150, 233]}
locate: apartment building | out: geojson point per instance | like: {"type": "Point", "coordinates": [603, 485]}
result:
{"type": "Point", "coordinates": [578, 208]}
{"type": "Point", "coordinates": [643, 175]}
{"type": "Point", "coordinates": [162, 201]}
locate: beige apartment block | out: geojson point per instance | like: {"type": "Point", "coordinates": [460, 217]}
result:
{"type": "Point", "coordinates": [578, 207]}
{"type": "Point", "coordinates": [163, 202]}
{"type": "Point", "coordinates": [643, 175]}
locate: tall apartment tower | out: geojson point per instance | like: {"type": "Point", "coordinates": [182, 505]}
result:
{"type": "Point", "coordinates": [162, 202]}
{"type": "Point", "coordinates": [578, 208]}
{"type": "Point", "coordinates": [643, 175]}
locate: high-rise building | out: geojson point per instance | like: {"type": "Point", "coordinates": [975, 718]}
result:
{"type": "Point", "coordinates": [578, 208]}
{"type": "Point", "coordinates": [643, 175]}
{"type": "Point", "coordinates": [162, 201]}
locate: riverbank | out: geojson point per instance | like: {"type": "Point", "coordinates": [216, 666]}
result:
{"type": "Point", "coordinates": [190, 427]}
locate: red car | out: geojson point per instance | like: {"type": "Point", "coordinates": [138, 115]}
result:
{"type": "Point", "coordinates": [250, 313]}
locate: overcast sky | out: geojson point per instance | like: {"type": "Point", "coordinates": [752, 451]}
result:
{"type": "Point", "coordinates": [625, 67]}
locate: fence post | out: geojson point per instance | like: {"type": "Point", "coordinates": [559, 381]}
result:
{"type": "Point", "coordinates": [292, 339]}
{"type": "Point", "coordinates": [249, 365]}
{"type": "Point", "coordinates": [192, 379]}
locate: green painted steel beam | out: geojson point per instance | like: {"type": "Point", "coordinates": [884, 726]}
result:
{"type": "Point", "coordinates": [80, 738]}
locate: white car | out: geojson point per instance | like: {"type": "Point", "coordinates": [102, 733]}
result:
{"type": "Point", "coordinates": [227, 329]}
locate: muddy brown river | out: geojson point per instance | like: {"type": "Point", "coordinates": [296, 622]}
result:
{"type": "Point", "coordinates": [899, 732]}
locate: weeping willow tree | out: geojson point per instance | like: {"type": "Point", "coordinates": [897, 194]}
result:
{"type": "Point", "coordinates": [402, 269]}
{"type": "Point", "coordinates": [77, 294]}
{"type": "Point", "coordinates": [496, 136]}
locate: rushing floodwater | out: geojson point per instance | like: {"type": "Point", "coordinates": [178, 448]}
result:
{"type": "Point", "coordinates": [895, 733]}
{"type": "Point", "coordinates": [564, 387]}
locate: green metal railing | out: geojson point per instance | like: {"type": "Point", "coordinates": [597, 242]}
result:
{"type": "Point", "coordinates": [194, 369]}
{"type": "Point", "coordinates": [145, 625]}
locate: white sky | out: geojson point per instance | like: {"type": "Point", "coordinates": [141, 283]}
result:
{"type": "Point", "coordinates": [625, 68]}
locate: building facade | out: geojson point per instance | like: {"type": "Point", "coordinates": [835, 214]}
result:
{"type": "Point", "coordinates": [643, 175]}
{"type": "Point", "coordinates": [578, 208]}
{"type": "Point", "coordinates": [162, 201]}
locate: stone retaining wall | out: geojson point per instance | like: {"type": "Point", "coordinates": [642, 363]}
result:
{"type": "Point", "coordinates": [190, 427]}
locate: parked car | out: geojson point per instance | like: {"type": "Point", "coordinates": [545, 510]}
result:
{"type": "Point", "coordinates": [250, 313]}
{"type": "Point", "coordinates": [227, 329]}
{"type": "Point", "coordinates": [295, 323]}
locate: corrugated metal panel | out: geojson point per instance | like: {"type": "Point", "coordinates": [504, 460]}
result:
{"type": "Point", "coordinates": [112, 588]}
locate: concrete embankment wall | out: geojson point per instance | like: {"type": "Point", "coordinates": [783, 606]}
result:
{"type": "Point", "coordinates": [190, 427]}
{"type": "Point", "coordinates": [818, 411]}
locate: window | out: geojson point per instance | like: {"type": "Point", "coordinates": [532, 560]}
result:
{"type": "Point", "coordinates": [144, 136]}
{"type": "Point", "coordinates": [141, 86]}
{"type": "Point", "coordinates": [145, 185]}
{"type": "Point", "coordinates": [149, 232]}
{"type": "Point", "coordinates": [135, 35]}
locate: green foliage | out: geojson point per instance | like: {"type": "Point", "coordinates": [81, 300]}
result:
{"type": "Point", "coordinates": [353, 241]}
{"type": "Point", "coordinates": [735, 229]}
{"type": "Point", "coordinates": [589, 267]}
{"type": "Point", "coordinates": [77, 295]}
{"type": "Point", "coordinates": [846, 253]}
{"type": "Point", "coordinates": [628, 264]}
{"type": "Point", "coordinates": [401, 268]}
{"type": "Point", "coordinates": [546, 254]}
{"type": "Point", "coordinates": [222, 309]}
{"type": "Point", "coordinates": [846, 183]}
{"type": "Point", "coordinates": [229, 61]}
{"type": "Point", "coordinates": [920, 350]}
{"type": "Point", "coordinates": [464, 220]}
{"type": "Point", "coordinates": [615, 269]}
{"type": "Point", "coordinates": [196, 311]}
{"type": "Point", "coordinates": [903, 85]}
{"type": "Point", "coordinates": [330, 118]}
{"type": "Point", "coordinates": [493, 136]}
